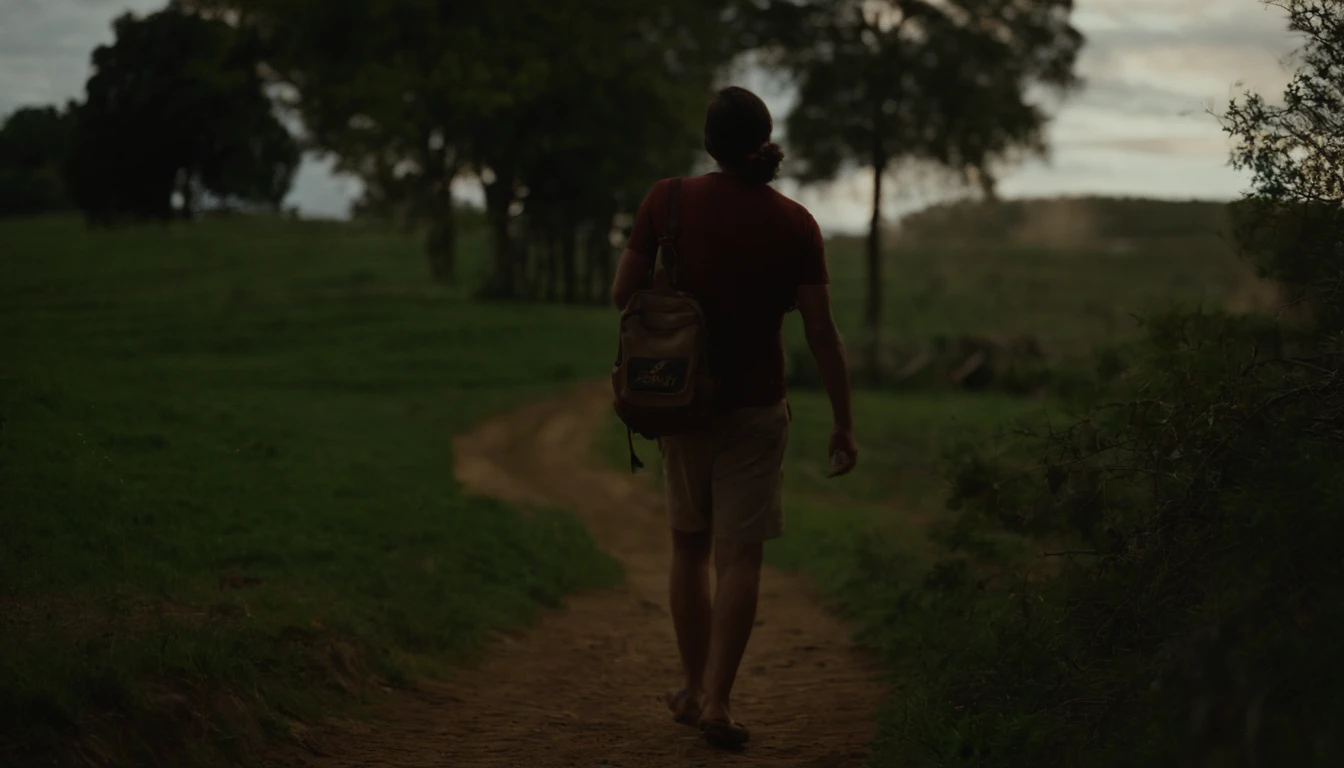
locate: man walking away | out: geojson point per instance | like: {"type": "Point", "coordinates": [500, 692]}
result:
{"type": "Point", "coordinates": [748, 255]}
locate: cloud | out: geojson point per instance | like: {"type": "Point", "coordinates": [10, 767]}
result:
{"type": "Point", "coordinates": [1154, 68]}
{"type": "Point", "coordinates": [45, 46]}
{"type": "Point", "coordinates": [1138, 13]}
{"type": "Point", "coordinates": [1136, 99]}
{"type": "Point", "coordinates": [1125, 172]}
{"type": "Point", "coordinates": [1193, 46]}
{"type": "Point", "coordinates": [1228, 33]}
{"type": "Point", "coordinates": [1200, 70]}
{"type": "Point", "coordinates": [1207, 146]}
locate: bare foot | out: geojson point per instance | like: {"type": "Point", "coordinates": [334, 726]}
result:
{"type": "Point", "coordinates": [685, 706]}
{"type": "Point", "coordinates": [721, 730]}
{"type": "Point", "coordinates": [724, 733]}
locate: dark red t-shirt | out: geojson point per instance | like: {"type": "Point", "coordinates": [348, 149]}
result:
{"type": "Point", "coordinates": [745, 248]}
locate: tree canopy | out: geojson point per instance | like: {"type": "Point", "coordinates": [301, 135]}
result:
{"type": "Point", "coordinates": [176, 107]}
{"type": "Point", "coordinates": [33, 144]}
{"type": "Point", "coordinates": [560, 110]}
{"type": "Point", "coordinates": [565, 112]}
{"type": "Point", "coordinates": [1291, 223]}
{"type": "Point", "coordinates": [954, 83]}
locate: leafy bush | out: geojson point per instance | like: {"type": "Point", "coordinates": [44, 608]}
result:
{"type": "Point", "coordinates": [1190, 605]}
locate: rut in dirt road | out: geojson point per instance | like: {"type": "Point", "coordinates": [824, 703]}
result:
{"type": "Point", "coordinates": [583, 686]}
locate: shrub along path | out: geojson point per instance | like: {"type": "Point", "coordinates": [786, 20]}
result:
{"type": "Point", "coordinates": [583, 686]}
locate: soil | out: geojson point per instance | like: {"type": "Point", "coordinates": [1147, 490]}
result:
{"type": "Point", "coordinates": [583, 686]}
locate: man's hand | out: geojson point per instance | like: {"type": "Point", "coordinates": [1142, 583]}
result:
{"type": "Point", "coordinates": [814, 301]}
{"type": "Point", "coordinates": [843, 450]}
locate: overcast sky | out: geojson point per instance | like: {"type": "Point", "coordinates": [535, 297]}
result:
{"type": "Point", "coordinates": [1154, 69]}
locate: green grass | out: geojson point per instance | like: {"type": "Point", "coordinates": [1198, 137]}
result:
{"type": "Point", "coordinates": [899, 489]}
{"type": "Point", "coordinates": [272, 400]}
{"type": "Point", "coordinates": [1069, 299]}
{"type": "Point", "coordinates": [901, 439]}
{"type": "Point", "coordinates": [866, 539]}
{"type": "Point", "coordinates": [264, 400]}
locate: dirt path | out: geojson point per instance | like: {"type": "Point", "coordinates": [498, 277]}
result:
{"type": "Point", "coordinates": [582, 687]}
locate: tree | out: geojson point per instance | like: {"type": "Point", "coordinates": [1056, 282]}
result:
{"type": "Point", "coordinates": [388, 89]}
{"type": "Point", "coordinates": [613, 100]}
{"type": "Point", "coordinates": [33, 146]}
{"type": "Point", "coordinates": [1292, 220]}
{"type": "Point", "coordinates": [622, 106]}
{"type": "Point", "coordinates": [1196, 604]}
{"type": "Point", "coordinates": [881, 81]}
{"type": "Point", "coordinates": [556, 108]}
{"type": "Point", "coordinates": [176, 108]}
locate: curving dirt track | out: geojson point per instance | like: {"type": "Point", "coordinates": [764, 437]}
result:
{"type": "Point", "coordinates": [583, 686]}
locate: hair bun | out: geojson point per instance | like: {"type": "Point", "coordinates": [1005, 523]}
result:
{"type": "Point", "coordinates": [763, 164]}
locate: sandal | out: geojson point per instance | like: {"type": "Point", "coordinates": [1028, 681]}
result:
{"type": "Point", "coordinates": [684, 710]}
{"type": "Point", "coordinates": [724, 733]}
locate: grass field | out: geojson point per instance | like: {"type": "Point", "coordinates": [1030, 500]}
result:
{"type": "Point", "coordinates": [226, 477]}
{"type": "Point", "coordinates": [1067, 299]}
{"type": "Point", "coordinates": [896, 495]}
{"type": "Point", "coordinates": [227, 486]}
{"type": "Point", "coordinates": [1069, 273]}
{"type": "Point", "coordinates": [1070, 297]}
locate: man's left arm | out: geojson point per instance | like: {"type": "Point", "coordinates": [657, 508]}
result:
{"type": "Point", "coordinates": [632, 275]}
{"type": "Point", "coordinates": [635, 269]}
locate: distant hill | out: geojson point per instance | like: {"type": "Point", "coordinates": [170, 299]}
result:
{"type": "Point", "coordinates": [1079, 222]}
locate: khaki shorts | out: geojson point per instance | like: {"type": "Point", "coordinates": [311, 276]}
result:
{"type": "Point", "coordinates": [728, 477]}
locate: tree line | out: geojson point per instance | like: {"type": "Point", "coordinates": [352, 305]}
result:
{"type": "Point", "coordinates": [175, 114]}
{"type": "Point", "coordinates": [1190, 594]}
{"type": "Point", "coordinates": [563, 112]}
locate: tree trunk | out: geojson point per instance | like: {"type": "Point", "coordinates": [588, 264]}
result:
{"type": "Point", "coordinates": [598, 250]}
{"type": "Point", "coordinates": [188, 199]}
{"type": "Point", "coordinates": [441, 244]}
{"type": "Point", "coordinates": [872, 315]}
{"type": "Point", "coordinates": [607, 268]}
{"type": "Point", "coordinates": [498, 199]}
{"type": "Point", "coordinates": [569, 258]}
{"type": "Point", "coordinates": [552, 266]}
{"type": "Point", "coordinates": [527, 280]}
{"type": "Point", "coordinates": [589, 266]}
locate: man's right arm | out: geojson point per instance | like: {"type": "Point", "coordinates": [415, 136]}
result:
{"type": "Point", "coordinates": [814, 303]}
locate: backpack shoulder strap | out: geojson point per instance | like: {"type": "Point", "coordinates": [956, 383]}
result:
{"type": "Point", "coordinates": [667, 244]}
{"type": "Point", "coordinates": [674, 208]}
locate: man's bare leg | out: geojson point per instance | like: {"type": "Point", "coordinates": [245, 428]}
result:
{"type": "Point", "coordinates": [738, 564]}
{"type": "Point", "coordinates": [691, 611]}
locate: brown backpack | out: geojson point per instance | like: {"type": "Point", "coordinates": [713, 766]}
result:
{"type": "Point", "coordinates": [661, 378]}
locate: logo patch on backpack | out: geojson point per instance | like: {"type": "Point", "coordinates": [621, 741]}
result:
{"type": "Point", "coordinates": [666, 376]}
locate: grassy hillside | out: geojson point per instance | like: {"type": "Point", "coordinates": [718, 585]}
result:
{"type": "Point", "coordinates": [1072, 221]}
{"type": "Point", "coordinates": [226, 480]}
{"type": "Point", "coordinates": [961, 271]}
{"type": "Point", "coordinates": [1068, 273]}
{"type": "Point", "coordinates": [866, 538]}
{"type": "Point", "coordinates": [226, 475]}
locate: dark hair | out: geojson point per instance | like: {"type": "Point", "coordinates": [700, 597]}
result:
{"type": "Point", "coordinates": [737, 134]}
